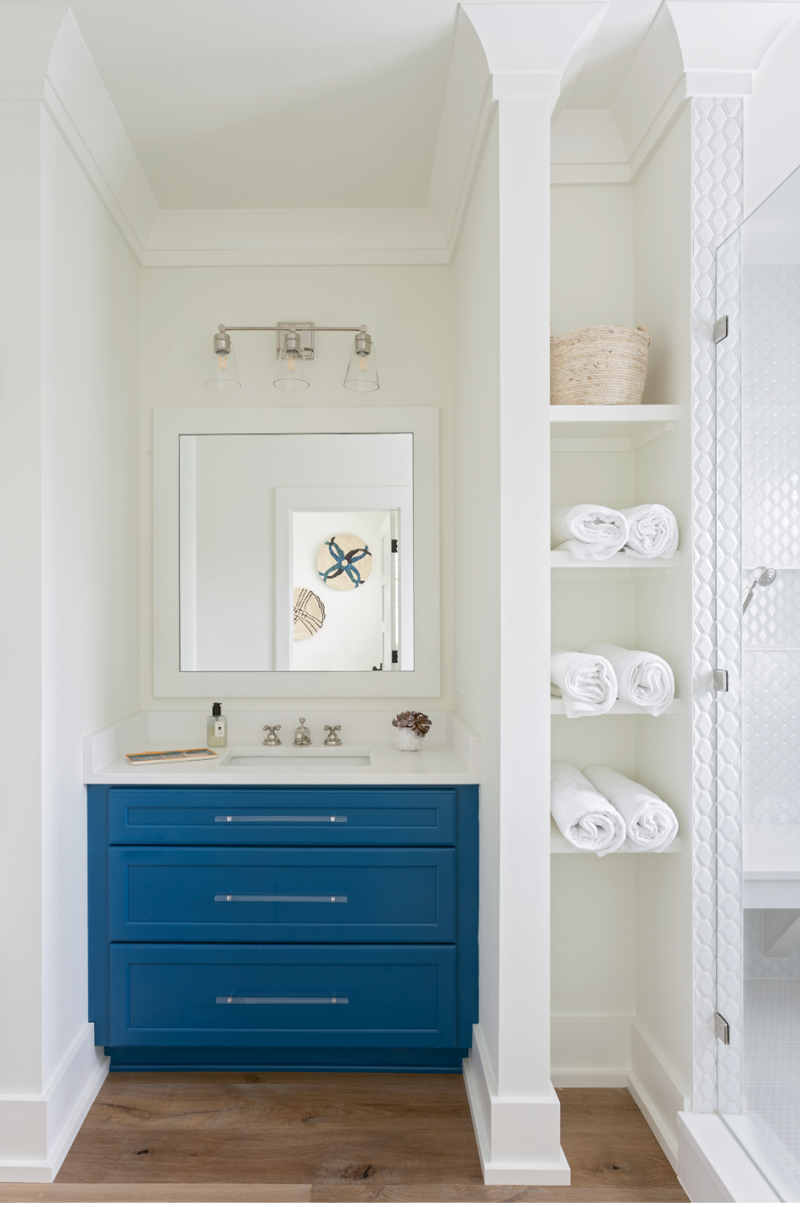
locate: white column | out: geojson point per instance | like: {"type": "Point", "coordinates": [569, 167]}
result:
{"type": "Point", "coordinates": [515, 1108]}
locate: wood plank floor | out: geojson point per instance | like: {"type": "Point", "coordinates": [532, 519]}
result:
{"type": "Point", "coordinates": [332, 1138]}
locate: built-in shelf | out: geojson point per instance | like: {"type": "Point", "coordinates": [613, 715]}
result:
{"type": "Point", "coordinates": [609, 429]}
{"type": "Point", "coordinates": [560, 846]}
{"type": "Point", "coordinates": [619, 709]}
{"type": "Point", "coordinates": [563, 560]}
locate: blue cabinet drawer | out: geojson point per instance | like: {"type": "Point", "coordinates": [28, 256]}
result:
{"type": "Point", "coordinates": [283, 894]}
{"type": "Point", "coordinates": [282, 996]}
{"type": "Point", "coordinates": [329, 816]}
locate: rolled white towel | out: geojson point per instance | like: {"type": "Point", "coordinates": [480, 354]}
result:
{"type": "Point", "coordinates": [589, 532]}
{"type": "Point", "coordinates": [583, 815]}
{"type": "Point", "coordinates": [652, 532]}
{"type": "Point", "coordinates": [650, 824]}
{"type": "Point", "coordinates": [587, 683]}
{"type": "Point", "coordinates": [642, 678]}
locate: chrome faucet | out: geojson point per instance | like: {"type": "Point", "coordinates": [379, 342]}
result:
{"type": "Point", "coordinates": [333, 738]}
{"type": "Point", "coordinates": [301, 735]}
{"type": "Point", "coordinates": [272, 738]}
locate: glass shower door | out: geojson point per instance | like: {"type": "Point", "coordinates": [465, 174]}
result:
{"type": "Point", "coordinates": [758, 641]}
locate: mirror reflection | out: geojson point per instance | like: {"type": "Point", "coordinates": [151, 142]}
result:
{"type": "Point", "coordinates": [296, 552]}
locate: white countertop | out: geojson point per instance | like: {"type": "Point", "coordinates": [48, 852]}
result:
{"type": "Point", "coordinates": [449, 755]}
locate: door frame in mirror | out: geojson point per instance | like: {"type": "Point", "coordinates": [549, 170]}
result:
{"type": "Point", "coordinates": [169, 425]}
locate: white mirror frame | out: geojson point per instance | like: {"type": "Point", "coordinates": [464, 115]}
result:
{"type": "Point", "coordinates": [168, 427]}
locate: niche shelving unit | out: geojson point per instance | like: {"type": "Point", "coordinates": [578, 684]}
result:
{"type": "Point", "coordinates": [595, 457]}
{"type": "Point", "coordinates": [610, 436]}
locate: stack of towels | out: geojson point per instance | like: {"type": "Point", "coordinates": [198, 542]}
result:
{"type": "Point", "coordinates": [592, 533]}
{"type": "Point", "coordinates": [602, 811]}
{"type": "Point", "coordinates": [591, 681]}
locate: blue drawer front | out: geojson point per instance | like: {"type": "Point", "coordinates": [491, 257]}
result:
{"type": "Point", "coordinates": [282, 996]}
{"type": "Point", "coordinates": [313, 895]}
{"type": "Point", "coordinates": [333, 817]}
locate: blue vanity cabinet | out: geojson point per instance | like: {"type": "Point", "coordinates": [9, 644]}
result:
{"type": "Point", "coordinates": [283, 928]}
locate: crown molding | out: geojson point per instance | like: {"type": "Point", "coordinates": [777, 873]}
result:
{"type": "Point", "coordinates": [281, 237]}
{"type": "Point", "coordinates": [500, 52]}
{"type": "Point", "coordinates": [693, 48]}
{"type": "Point", "coordinates": [44, 60]}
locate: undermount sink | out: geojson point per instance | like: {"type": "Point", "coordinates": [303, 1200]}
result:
{"type": "Point", "coordinates": [288, 756]}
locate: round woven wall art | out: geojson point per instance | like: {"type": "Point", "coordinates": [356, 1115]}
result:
{"type": "Point", "coordinates": [309, 613]}
{"type": "Point", "coordinates": [344, 562]}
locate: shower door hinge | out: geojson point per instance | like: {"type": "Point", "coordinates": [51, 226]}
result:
{"type": "Point", "coordinates": [721, 329]}
{"type": "Point", "coordinates": [720, 681]}
{"type": "Point", "coordinates": [395, 545]}
{"type": "Point", "coordinates": [722, 1028]}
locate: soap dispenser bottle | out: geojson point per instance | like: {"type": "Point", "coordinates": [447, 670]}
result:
{"type": "Point", "coordinates": [216, 727]}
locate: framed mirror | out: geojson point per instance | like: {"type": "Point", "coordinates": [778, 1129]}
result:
{"type": "Point", "coordinates": [287, 555]}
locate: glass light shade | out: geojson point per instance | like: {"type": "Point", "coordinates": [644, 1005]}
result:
{"type": "Point", "coordinates": [291, 364]}
{"type": "Point", "coordinates": [362, 368]}
{"type": "Point", "coordinates": [226, 371]}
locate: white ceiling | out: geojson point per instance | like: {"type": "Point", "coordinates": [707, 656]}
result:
{"type": "Point", "coordinates": [299, 103]}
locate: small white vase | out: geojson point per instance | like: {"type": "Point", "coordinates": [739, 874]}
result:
{"type": "Point", "coordinates": [408, 739]}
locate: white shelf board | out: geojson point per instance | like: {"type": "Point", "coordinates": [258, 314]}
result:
{"type": "Point", "coordinates": [619, 709]}
{"type": "Point", "coordinates": [563, 560]}
{"type": "Point", "coordinates": [560, 846]}
{"type": "Point", "coordinates": [609, 429]}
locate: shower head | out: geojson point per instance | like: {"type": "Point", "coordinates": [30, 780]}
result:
{"type": "Point", "coordinates": [762, 577]}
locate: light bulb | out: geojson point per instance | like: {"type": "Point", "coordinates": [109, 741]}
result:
{"type": "Point", "coordinates": [362, 371]}
{"type": "Point", "coordinates": [291, 364]}
{"type": "Point", "coordinates": [226, 376]}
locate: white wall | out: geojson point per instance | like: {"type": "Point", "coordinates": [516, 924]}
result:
{"type": "Point", "coordinates": [621, 926]}
{"type": "Point", "coordinates": [409, 311]}
{"type": "Point", "coordinates": [75, 461]}
{"type": "Point", "coordinates": [592, 250]}
{"type": "Point", "coordinates": [90, 608]}
{"type": "Point", "coordinates": [477, 511]}
{"type": "Point", "coordinates": [662, 301]}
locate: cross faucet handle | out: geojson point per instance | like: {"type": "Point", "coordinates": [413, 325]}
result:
{"type": "Point", "coordinates": [272, 738]}
{"type": "Point", "coordinates": [333, 738]}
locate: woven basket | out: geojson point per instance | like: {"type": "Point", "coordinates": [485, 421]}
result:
{"type": "Point", "coordinates": [598, 366]}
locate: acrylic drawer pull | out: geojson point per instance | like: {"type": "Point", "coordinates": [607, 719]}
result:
{"type": "Point", "coordinates": [318, 817]}
{"type": "Point", "coordinates": [283, 1001]}
{"type": "Point", "coordinates": [247, 897]}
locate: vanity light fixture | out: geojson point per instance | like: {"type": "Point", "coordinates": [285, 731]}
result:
{"type": "Point", "coordinates": [291, 363]}
{"type": "Point", "coordinates": [294, 346]}
{"type": "Point", "coordinates": [226, 372]}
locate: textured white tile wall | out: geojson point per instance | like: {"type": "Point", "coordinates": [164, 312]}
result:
{"type": "Point", "coordinates": [771, 388]}
{"type": "Point", "coordinates": [771, 746]}
{"type": "Point", "coordinates": [728, 611]}
{"type": "Point", "coordinates": [717, 190]}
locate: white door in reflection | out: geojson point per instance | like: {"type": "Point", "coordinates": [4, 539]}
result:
{"type": "Point", "coordinates": [255, 509]}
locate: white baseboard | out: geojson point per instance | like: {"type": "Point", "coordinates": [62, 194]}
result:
{"type": "Point", "coordinates": [518, 1138]}
{"type": "Point", "coordinates": [603, 1079]}
{"type": "Point", "coordinates": [590, 1052]}
{"type": "Point", "coordinates": [713, 1167]}
{"type": "Point", "coordinates": [37, 1130]}
{"type": "Point", "coordinates": [594, 1053]}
